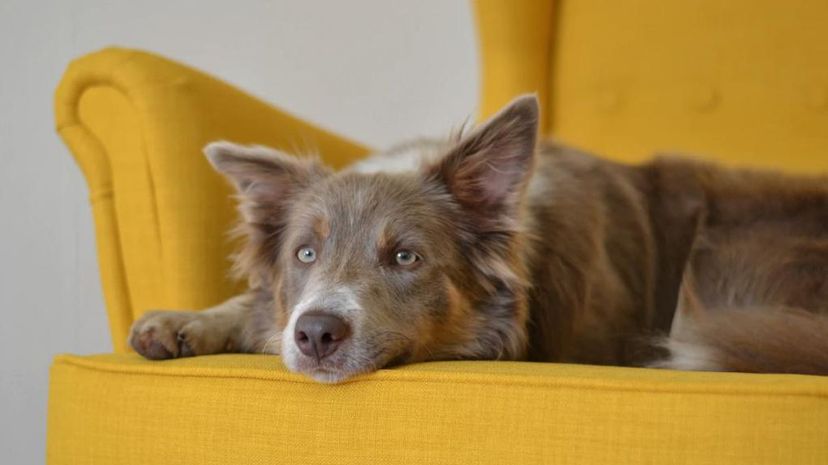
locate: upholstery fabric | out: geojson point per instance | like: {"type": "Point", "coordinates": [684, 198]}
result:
{"type": "Point", "coordinates": [121, 409]}
{"type": "Point", "coordinates": [744, 81]}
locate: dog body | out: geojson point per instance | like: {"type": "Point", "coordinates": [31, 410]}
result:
{"type": "Point", "coordinates": [491, 246]}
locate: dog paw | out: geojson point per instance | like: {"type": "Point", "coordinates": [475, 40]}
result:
{"type": "Point", "coordinates": [160, 335]}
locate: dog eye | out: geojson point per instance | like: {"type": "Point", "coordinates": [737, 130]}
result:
{"type": "Point", "coordinates": [406, 257]}
{"type": "Point", "coordinates": [306, 255]}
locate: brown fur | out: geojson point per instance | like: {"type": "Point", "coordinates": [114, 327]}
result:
{"type": "Point", "coordinates": [753, 241]}
{"type": "Point", "coordinates": [542, 253]}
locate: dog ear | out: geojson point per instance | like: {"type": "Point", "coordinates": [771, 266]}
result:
{"type": "Point", "coordinates": [488, 169]}
{"type": "Point", "coordinates": [267, 181]}
{"type": "Point", "coordinates": [265, 178]}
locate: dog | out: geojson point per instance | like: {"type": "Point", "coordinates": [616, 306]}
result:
{"type": "Point", "coordinates": [492, 245]}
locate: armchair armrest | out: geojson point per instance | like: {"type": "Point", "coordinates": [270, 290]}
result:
{"type": "Point", "coordinates": [136, 123]}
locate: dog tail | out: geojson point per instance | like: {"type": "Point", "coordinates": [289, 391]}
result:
{"type": "Point", "coordinates": [756, 340]}
{"type": "Point", "coordinates": [750, 340]}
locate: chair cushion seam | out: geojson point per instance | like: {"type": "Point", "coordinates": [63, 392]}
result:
{"type": "Point", "coordinates": [435, 378]}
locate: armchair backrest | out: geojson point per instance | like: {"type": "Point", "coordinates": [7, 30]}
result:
{"type": "Point", "coordinates": [742, 81]}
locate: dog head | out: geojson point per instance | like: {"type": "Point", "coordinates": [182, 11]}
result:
{"type": "Point", "coordinates": [369, 270]}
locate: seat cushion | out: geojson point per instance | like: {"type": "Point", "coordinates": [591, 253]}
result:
{"type": "Point", "coordinates": [248, 409]}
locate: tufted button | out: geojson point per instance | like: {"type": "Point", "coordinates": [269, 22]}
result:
{"type": "Point", "coordinates": [816, 97]}
{"type": "Point", "coordinates": [703, 99]}
{"type": "Point", "coordinates": [607, 100]}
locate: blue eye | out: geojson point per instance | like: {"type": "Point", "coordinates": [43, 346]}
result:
{"type": "Point", "coordinates": [306, 255]}
{"type": "Point", "coordinates": [406, 257]}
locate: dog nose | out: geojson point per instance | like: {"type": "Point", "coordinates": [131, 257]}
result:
{"type": "Point", "coordinates": [319, 334]}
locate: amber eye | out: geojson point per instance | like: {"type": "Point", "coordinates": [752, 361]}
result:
{"type": "Point", "coordinates": [406, 257]}
{"type": "Point", "coordinates": [306, 255]}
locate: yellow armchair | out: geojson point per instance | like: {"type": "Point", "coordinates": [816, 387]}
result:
{"type": "Point", "coordinates": [136, 123]}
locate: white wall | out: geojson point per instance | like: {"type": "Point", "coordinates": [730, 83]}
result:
{"type": "Point", "coordinates": [375, 70]}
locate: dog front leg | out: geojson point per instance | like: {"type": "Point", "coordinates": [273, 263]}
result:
{"type": "Point", "coordinates": [236, 325]}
